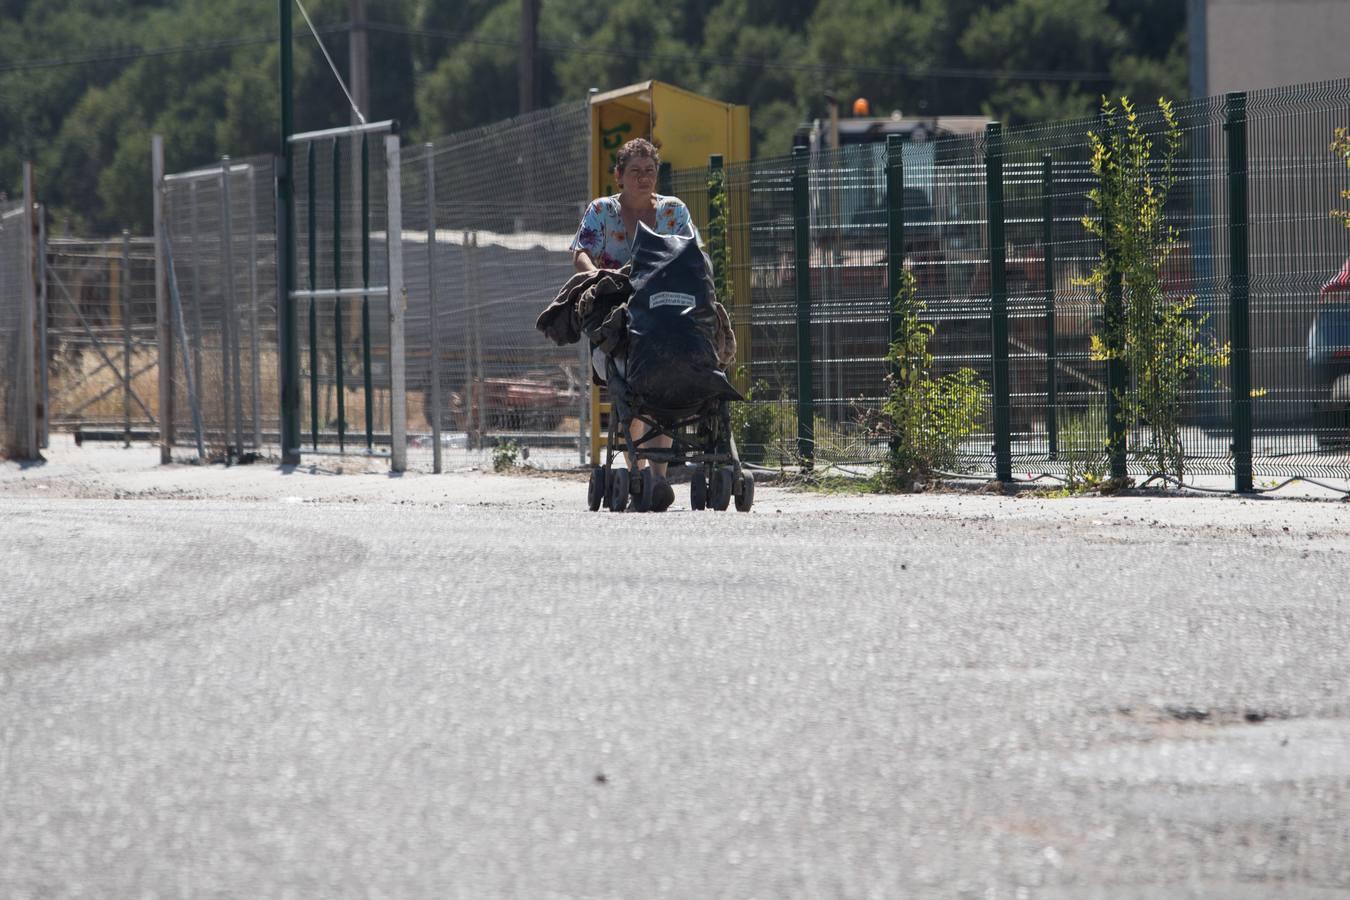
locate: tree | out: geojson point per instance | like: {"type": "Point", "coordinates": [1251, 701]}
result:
{"type": "Point", "coordinates": [1044, 36]}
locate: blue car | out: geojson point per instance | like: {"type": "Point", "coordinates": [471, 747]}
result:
{"type": "Point", "coordinates": [1329, 361]}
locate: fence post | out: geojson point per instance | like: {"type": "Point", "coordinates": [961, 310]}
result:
{"type": "Point", "coordinates": [27, 404]}
{"type": "Point", "coordinates": [398, 304]}
{"type": "Point", "coordinates": [801, 225]}
{"type": "Point", "coordinates": [431, 311]}
{"type": "Point", "coordinates": [1235, 123]}
{"type": "Point", "coordinates": [44, 396]}
{"type": "Point", "coordinates": [998, 300]}
{"type": "Point", "coordinates": [339, 356]}
{"type": "Point", "coordinates": [366, 375]}
{"type": "Point", "coordinates": [286, 265]}
{"type": "Point", "coordinates": [255, 376]}
{"type": "Point", "coordinates": [125, 284]}
{"type": "Point", "coordinates": [663, 181]}
{"type": "Point", "coordinates": [1114, 316]}
{"type": "Point", "coordinates": [1048, 260]}
{"type": "Point", "coordinates": [229, 336]}
{"type": "Point", "coordinates": [895, 240]}
{"type": "Point", "coordinates": [716, 242]}
{"type": "Point", "coordinates": [311, 204]}
{"type": "Point", "coordinates": [163, 322]}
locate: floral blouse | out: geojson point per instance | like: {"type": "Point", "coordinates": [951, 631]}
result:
{"type": "Point", "coordinates": [605, 238]}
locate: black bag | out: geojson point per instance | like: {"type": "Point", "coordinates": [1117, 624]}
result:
{"type": "Point", "coordinates": [672, 325]}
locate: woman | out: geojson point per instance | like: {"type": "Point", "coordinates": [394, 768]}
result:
{"type": "Point", "coordinates": [605, 241]}
{"type": "Point", "coordinates": [609, 227]}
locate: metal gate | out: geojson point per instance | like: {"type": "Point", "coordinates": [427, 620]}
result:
{"type": "Point", "coordinates": [101, 356]}
{"type": "Point", "coordinates": [342, 337]}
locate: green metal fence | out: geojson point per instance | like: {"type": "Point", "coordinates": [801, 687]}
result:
{"type": "Point", "coordinates": [21, 421]}
{"type": "Point", "coordinates": [993, 230]}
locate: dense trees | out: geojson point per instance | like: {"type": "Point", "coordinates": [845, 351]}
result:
{"type": "Point", "coordinates": [83, 83]}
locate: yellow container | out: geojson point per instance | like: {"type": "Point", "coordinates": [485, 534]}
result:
{"type": "Point", "coordinates": [688, 128]}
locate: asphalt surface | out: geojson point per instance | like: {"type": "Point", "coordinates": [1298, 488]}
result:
{"type": "Point", "coordinates": [255, 683]}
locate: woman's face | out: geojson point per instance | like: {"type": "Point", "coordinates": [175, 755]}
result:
{"type": "Point", "coordinates": [638, 177]}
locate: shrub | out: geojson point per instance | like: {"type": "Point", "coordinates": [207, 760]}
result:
{"type": "Point", "coordinates": [925, 419]}
{"type": "Point", "coordinates": [1160, 339]}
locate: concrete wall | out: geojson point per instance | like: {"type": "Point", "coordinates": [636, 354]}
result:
{"type": "Point", "coordinates": [1268, 43]}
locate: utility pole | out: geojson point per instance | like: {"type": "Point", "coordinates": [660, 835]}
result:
{"type": "Point", "coordinates": [529, 49]}
{"type": "Point", "coordinates": [358, 57]}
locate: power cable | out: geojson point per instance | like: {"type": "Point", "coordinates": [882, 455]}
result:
{"type": "Point", "coordinates": [323, 49]}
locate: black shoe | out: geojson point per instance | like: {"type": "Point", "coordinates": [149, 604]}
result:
{"type": "Point", "coordinates": [662, 496]}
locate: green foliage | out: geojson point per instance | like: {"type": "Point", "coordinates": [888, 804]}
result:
{"type": "Point", "coordinates": [505, 456]}
{"type": "Point", "coordinates": [87, 125]}
{"type": "Point", "coordinates": [925, 417]}
{"type": "Point", "coordinates": [1341, 147]}
{"type": "Point", "coordinates": [1082, 448]}
{"type": "Point", "coordinates": [719, 247]}
{"type": "Point", "coordinates": [757, 423]}
{"type": "Point", "coordinates": [1161, 339]}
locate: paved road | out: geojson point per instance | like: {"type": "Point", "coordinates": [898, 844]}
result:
{"type": "Point", "coordinates": [254, 685]}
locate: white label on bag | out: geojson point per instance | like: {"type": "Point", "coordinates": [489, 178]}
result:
{"type": "Point", "coordinates": [672, 298]}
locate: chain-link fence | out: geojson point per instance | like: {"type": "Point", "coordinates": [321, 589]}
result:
{"type": "Point", "coordinates": [998, 232]}
{"type": "Point", "coordinates": [101, 358]}
{"type": "Point", "coordinates": [220, 242]}
{"type": "Point", "coordinates": [19, 332]}
{"type": "Point", "coordinates": [487, 219]}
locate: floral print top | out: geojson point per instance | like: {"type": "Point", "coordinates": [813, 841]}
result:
{"type": "Point", "coordinates": [605, 238]}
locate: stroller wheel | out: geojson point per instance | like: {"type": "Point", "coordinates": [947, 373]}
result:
{"type": "Point", "coordinates": [698, 490]}
{"type": "Point", "coordinates": [618, 491]}
{"type": "Point", "coordinates": [745, 497]}
{"type": "Point", "coordinates": [647, 494]}
{"type": "Point", "coordinates": [595, 491]}
{"type": "Point", "coordinates": [719, 492]}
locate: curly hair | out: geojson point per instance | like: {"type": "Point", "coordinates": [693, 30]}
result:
{"type": "Point", "coordinates": [635, 148]}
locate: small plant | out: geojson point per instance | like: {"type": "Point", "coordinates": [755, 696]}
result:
{"type": "Point", "coordinates": [1341, 147]}
{"type": "Point", "coordinates": [1082, 449]}
{"type": "Point", "coordinates": [719, 247]}
{"type": "Point", "coordinates": [505, 456]}
{"type": "Point", "coordinates": [754, 422]}
{"type": "Point", "coordinates": [1159, 338]}
{"type": "Point", "coordinates": [925, 418]}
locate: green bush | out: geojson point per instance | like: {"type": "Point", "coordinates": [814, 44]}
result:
{"type": "Point", "coordinates": [505, 456]}
{"type": "Point", "coordinates": [1082, 448]}
{"type": "Point", "coordinates": [925, 419]}
{"type": "Point", "coordinates": [1160, 339]}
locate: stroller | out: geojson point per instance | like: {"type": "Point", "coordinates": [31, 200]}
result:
{"type": "Point", "coordinates": [665, 375]}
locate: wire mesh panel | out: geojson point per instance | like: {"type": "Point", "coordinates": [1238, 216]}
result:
{"type": "Point", "coordinates": [950, 263]}
{"type": "Point", "coordinates": [102, 363]}
{"type": "Point", "coordinates": [220, 233]}
{"type": "Point", "coordinates": [1300, 333]}
{"type": "Point", "coordinates": [341, 231]}
{"type": "Point", "coordinates": [507, 200]}
{"type": "Point", "coordinates": [1057, 387]}
{"type": "Point", "coordinates": [850, 309]}
{"type": "Point", "coordinates": [768, 424]}
{"type": "Point", "coordinates": [18, 399]}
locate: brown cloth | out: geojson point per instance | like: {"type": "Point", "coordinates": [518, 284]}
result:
{"type": "Point", "coordinates": [594, 304]}
{"type": "Point", "coordinates": [602, 290]}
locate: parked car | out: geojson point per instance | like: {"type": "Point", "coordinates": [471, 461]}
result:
{"type": "Point", "coordinates": [1329, 361]}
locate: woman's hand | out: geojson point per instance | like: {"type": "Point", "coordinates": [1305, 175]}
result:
{"type": "Point", "coordinates": [581, 261]}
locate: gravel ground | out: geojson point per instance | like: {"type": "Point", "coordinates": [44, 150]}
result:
{"type": "Point", "coordinates": [255, 682]}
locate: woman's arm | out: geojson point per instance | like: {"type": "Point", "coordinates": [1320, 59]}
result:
{"type": "Point", "coordinates": [589, 239]}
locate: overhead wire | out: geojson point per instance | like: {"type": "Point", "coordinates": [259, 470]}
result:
{"type": "Point", "coordinates": [128, 55]}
